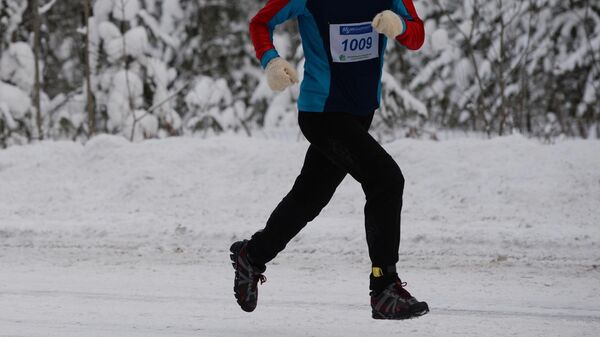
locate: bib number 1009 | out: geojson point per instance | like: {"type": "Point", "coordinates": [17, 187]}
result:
{"type": "Point", "coordinates": [357, 44]}
{"type": "Point", "coordinates": [353, 42]}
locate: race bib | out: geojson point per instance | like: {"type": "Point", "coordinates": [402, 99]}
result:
{"type": "Point", "coordinates": [353, 42]}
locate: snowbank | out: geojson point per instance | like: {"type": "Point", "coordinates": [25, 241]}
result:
{"type": "Point", "coordinates": [510, 200]}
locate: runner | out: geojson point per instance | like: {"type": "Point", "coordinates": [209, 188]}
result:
{"type": "Point", "coordinates": [344, 43]}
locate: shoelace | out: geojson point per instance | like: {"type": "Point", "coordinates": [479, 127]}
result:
{"type": "Point", "coordinates": [401, 291]}
{"type": "Point", "coordinates": [262, 278]}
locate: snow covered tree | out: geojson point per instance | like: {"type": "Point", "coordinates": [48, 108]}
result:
{"type": "Point", "coordinates": [21, 93]}
{"type": "Point", "coordinates": [503, 66]}
{"type": "Point", "coordinates": [215, 43]}
{"type": "Point", "coordinates": [157, 68]}
{"type": "Point", "coordinates": [210, 108]}
{"type": "Point", "coordinates": [401, 114]}
{"type": "Point", "coordinates": [132, 84]}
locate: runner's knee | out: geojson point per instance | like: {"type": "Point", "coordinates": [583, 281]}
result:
{"type": "Point", "coordinates": [389, 181]}
{"type": "Point", "coordinates": [396, 182]}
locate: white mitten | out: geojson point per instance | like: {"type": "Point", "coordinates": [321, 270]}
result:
{"type": "Point", "coordinates": [280, 74]}
{"type": "Point", "coordinates": [389, 23]}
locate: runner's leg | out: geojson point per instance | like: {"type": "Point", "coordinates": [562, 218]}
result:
{"type": "Point", "coordinates": [312, 190]}
{"type": "Point", "coordinates": [343, 139]}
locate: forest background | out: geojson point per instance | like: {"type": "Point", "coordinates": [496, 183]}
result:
{"type": "Point", "coordinates": [153, 69]}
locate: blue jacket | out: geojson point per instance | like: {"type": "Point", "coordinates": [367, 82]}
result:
{"type": "Point", "coordinates": [344, 54]}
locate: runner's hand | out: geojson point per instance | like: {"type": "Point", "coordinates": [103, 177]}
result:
{"type": "Point", "coordinates": [389, 23]}
{"type": "Point", "coordinates": [280, 74]}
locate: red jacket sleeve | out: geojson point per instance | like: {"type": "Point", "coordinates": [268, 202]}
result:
{"type": "Point", "coordinates": [264, 22]}
{"type": "Point", "coordinates": [413, 36]}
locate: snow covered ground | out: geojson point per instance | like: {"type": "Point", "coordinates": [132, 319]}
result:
{"type": "Point", "coordinates": [501, 237]}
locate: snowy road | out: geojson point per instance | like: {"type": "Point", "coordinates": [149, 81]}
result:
{"type": "Point", "coordinates": [501, 238]}
{"type": "Point", "coordinates": [196, 300]}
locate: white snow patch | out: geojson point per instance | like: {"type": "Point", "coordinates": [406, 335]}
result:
{"type": "Point", "coordinates": [439, 39]}
{"type": "Point", "coordinates": [125, 10]}
{"type": "Point", "coordinates": [16, 101]}
{"type": "Point", "coordinates": [18, 66]}
{"type": "Point", "coordinates": [140, 125]}
{"type": "Point", "coordinates": [171, 14]}
{"type": "Point", "coordinates": [208, 92]}
{"type": "Point", "coordinates": [136, 42]}
{"type": "Point", "coordinates": [126, 93]}
{"type": "Point", "coordinates": [6, 116]}
{"type": "Point", "coordinates": [102, 10]}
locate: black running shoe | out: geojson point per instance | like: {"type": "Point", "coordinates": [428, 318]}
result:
{"type": "Point", "coordinates": [395, 302]}
{"type": "Point", "coordinates": [247, 277]}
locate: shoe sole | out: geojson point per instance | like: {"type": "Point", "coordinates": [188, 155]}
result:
{"type": "Point", "coordinates": [412, 315]}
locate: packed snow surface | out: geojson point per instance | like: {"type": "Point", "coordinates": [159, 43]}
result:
{"type": "Point", "coordinates": [110, 238]}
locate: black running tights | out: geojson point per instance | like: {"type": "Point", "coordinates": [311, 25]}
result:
{"type": "Point", "coordinates": [339, 144]}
